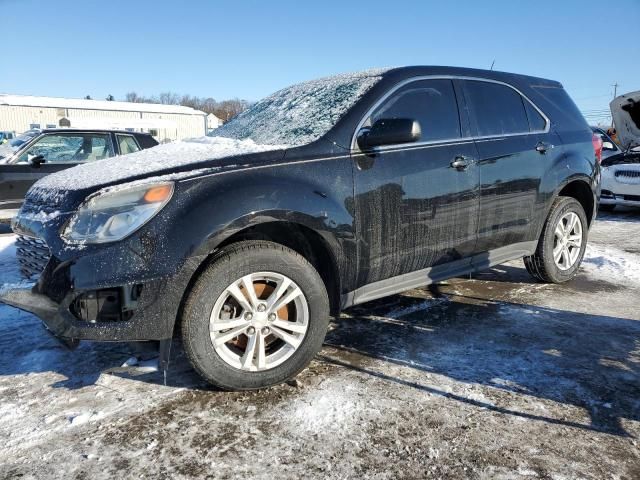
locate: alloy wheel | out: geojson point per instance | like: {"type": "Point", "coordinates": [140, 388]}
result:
{"type": "Point", "coordinates": [259, 321]}
{"type": "Point", "coordinates": [568, 241]}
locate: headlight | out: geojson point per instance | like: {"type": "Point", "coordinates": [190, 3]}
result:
{"type": "Point", "coordinates": [114, 214]}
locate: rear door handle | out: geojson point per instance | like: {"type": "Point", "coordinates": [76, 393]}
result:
{"type": "Point", "coordinates": [542, 147]}
{"type": "Point", "coordinates": [460, 163]}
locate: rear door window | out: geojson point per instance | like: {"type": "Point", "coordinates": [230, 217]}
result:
{"type": "Point", "coordinates": [495, 109]}
{"type": "Point", "coordinates": [127, 144]}
{"type": "Point", "coordinates": [431, 102]}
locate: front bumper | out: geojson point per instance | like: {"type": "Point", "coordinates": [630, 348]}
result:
{"type": "Point", "coordinates": [621, 200]}
{"type": "Point", "coordinates": [152, 320]}
{"type": "Point", "coordinates": [71, 277]}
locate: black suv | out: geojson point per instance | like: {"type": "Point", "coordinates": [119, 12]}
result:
{"type": "Point", "coordinates": [28, 158]}
{"type": "Point", "coordinates": [324, 195]}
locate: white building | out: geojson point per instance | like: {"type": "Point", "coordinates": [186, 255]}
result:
{"type": "Point", "coordinates": [165, 122]}
{"type": "Point", "coordinates": [213, 122]}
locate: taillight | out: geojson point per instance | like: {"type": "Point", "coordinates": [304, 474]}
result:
{"type": "Point", "coordinates": [597, 146]}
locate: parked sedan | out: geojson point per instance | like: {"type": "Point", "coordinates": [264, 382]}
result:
{"type": "Point", "coordinates": [27, 158]}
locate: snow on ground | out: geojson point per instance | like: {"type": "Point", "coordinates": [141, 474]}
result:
{"type": "Point", "coordinates": [612, 265]}
{"type": "Point", "coordinates": [491, 377]}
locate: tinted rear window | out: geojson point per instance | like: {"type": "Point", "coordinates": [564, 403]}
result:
{"type": "Point", "coordinates": [146, 141]}
{"type": "Point", "coordinates": [495, 109]}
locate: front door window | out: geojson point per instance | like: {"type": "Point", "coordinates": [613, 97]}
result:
{"type": "Point", "coordinates": [69, 148]}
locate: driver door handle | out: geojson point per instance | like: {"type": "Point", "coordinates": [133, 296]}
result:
{"type": "Point", "coordinates": [461, 163]}
{"type": "Point", "coordinates": [542, 147]}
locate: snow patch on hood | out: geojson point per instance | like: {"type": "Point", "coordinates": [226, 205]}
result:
{"type": "Point", "coordinates": [157, 159]}
{"type": "Point", "coordinates": [625, 111]}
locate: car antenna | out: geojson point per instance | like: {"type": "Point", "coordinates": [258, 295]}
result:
{"type": "Point", "coordinates": [492, 64]}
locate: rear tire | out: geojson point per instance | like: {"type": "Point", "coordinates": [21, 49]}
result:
{"type": "Point", "coordinates": [562, 243]}
{"type": "Point", "coordinates": [239, 340]}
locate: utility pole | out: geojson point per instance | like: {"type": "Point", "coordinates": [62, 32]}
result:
{"type": "Point", "coordinates": [615, 94]}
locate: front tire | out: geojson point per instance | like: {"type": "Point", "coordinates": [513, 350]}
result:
{"type": "Point", "coordinates": [255, 317]}
{"type": "Point", "coordinates": [562, 243]}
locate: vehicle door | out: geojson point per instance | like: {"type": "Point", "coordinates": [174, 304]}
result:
{"type": "Point", "coordinates": [47, 154]}
{"type": "Point", "coordinates": [416, 204]}
{"type": "Point", "coordinates": [515, 149]}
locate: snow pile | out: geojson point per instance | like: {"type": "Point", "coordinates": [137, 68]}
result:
{"type": "Point", "coordinates": [302, 113]}
{"type": "Point", "coordinates": [154, 160]}
{"type": "Point", "coordinates": [611, 264]}
{"type": "Point", "coordinates": [331, 408]}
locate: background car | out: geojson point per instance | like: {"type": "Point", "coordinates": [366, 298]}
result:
{"type": "Point", "coordinates": [35, 154]}
{"type": "Point", "coordinates": [620, 174]}
{"type": "Point", "coordinates": [6, 136]}
{"type": "Point", "coordinates": [609, 147]}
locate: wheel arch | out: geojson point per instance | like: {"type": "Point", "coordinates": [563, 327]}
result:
{"type": "Point", "coordinates": [301, 238]}
{"type": "Point", "coordinates": [580, 189]}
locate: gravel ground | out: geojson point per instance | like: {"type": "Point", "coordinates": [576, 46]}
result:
{"type": "Point", "coordinates": [494, 376]}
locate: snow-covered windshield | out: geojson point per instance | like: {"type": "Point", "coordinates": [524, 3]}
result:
{"type": "Point", "coordinates": [302, 113]}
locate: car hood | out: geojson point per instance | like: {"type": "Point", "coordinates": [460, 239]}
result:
{"type": "Point", "coordinates": [171, 161]}
{"type": "Point", "coordinates": [625, 110]}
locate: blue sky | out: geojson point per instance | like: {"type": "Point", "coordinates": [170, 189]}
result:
{"type": "Point", "coordinates": [248, 49]}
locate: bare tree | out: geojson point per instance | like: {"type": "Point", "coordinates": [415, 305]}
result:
{"type": "Point", "coordinates": [132, 97]}
{"type": "Point", "coordinates": [225, 110]}
{"type": "Point", "coordinates": [169, 98]}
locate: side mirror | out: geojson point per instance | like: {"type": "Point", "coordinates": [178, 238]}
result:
{"type": "Point", "coordinates": [608, 146]}
{"type": "Point", "coordinates": [390, 131]}
{"type": "Point", "coordinates": [36, 160]}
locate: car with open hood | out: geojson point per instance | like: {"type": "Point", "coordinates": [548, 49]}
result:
{"type": "Point", "coordinates": [324, 195]}
{"type": "Point", "coordinates": [621, 169]}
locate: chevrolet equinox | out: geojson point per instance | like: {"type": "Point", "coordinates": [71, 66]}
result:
{"type": "Point", "coordinates": [324, 195]}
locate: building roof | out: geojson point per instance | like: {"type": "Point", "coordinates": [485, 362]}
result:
{"type": "Point", "coordinates": [77, 103]}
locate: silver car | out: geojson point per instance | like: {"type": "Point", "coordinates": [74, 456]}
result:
{"type": "Point", "coordinates": [621, 164]}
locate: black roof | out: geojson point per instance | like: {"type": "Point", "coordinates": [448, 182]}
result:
{"type": "Point", "coordinates": [469, 72]}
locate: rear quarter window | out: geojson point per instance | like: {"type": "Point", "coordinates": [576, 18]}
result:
{"type": "Point", "coordinates": [562, 110]}
{"type": "Point", "coordinates": [146, 141]}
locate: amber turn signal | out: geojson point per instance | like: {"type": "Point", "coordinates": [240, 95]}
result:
{"type": "Point", "coordinates": [157, 194]}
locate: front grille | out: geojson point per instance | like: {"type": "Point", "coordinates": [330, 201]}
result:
{"type": "Point", "coordinates": [628, 173]}
{"type": "Point", "coordinates": [33, 255]}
